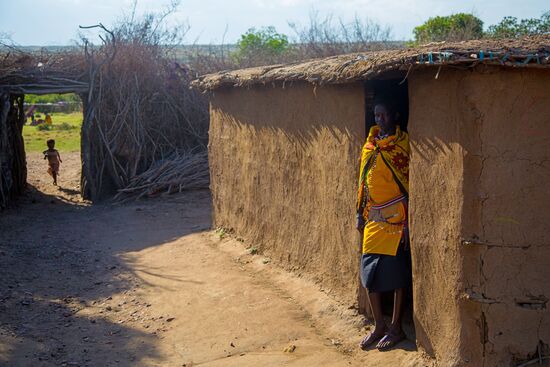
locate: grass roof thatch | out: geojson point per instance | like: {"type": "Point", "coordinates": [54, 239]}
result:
{"type": "Point", "coordinates": [43, 72]}
{"type": "Point", "coordinates": [525, 52]}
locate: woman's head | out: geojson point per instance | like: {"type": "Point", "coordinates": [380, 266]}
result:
{"type": "Point", "coordinates": [51, 143]}
{"type": "Point", "coordinates": [385, 115]}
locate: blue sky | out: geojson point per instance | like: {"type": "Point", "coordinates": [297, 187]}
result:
{"type": "Point", "coordinates": [55, 22]}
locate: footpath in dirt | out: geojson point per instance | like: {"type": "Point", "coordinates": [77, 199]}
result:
{"type": "Point", "coordinates": [150, 284]}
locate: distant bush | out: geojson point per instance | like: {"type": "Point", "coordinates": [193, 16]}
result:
{"type": "Point", "coordinates": [44, 127]}
{"type": "Point", "coordinates": [510, 27]}
{"type": "Point", "coordinates": [455, 27]}
{"type": "Point", "coordinates": [321, 37]}
{"type": "Point", "coordinates": [328, 36]}
{"type": "Point", "coordinates": [64, 126]}
{"type": "Point", "coordinates": [52, 98]}
{"type": "Point", "coordinates": [258, 44]}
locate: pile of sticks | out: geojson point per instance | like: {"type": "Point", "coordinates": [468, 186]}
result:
{"type": "Point", "coordinates": [140, 114]}
{"type": "Point", "coordinates": [179, 172]}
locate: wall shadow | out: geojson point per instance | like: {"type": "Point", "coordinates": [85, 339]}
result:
{"type": "Point", "coordinates": [64, 276]}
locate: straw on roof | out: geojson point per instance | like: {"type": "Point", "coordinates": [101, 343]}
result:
{"type": "Point", "coordinates": [43, 72]}
{"type": "Point", "coordinates": [524, 52]}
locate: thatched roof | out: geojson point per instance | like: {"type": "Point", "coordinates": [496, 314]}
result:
{"type": "Point", "coordinates": [526, 52]}
{"type": "Point", "coordinates": [42, 72]}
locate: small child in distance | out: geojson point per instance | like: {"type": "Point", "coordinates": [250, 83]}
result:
{"type": "Point", "coordinates": [54, 160]}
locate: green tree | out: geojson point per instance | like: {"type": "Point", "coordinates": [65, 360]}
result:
{"type": "Point", "coordinates": [510, 27]}
{"type": "Point", "coordinates": [455, 27]}
{"type": "Point", "coordinates": [264, 44]}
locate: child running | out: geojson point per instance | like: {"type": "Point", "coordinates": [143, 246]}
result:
{"type": "Point", "coordinates": [54, 159]}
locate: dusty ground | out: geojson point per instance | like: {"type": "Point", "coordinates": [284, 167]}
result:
{"type": "Point", "coordinates": [149, 284]}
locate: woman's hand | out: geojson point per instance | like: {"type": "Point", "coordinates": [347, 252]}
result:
{"type": "Point", "coordinates": [360, 225]}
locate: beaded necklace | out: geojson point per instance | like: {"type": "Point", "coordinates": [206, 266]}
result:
{"type": "Point", "coordinates": [392, 228]}
{"type": "Point", "coordinates": [370, 177]}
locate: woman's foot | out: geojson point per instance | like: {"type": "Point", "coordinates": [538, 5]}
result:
{"type": "Point", "coordinates": [390, 339]}
{"type": "Point", "coordinates": [372, 337]}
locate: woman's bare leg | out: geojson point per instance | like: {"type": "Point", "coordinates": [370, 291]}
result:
{"type": "Point", "coordinates": [395, 332]}
{"type": "Point", "coordinates": [398, 301]}
{"type": "Point", "coordinates": [375, 300]}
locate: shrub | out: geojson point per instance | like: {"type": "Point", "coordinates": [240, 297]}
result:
{"type": "Point", "coordinates": [320, 37]}
{"type": "Point", "coordinates": [329, 36]}
{"type": "Point", "coordinates": [455, 27]}
{"type": "Point", "coordinates": [64, 126]}
{"type": "Point", "coordinates": [44, 127]}
{"type": "Point", "coordinates": [260, 44]}
{"type": "Point", "coordinates": [509, 27]}
{"type": "Point", "coordinates": [52, 98]}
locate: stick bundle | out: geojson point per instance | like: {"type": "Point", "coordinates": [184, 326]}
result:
{"type": "Point", "coordinates": [180, 171]}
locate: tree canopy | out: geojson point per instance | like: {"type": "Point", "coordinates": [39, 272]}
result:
{"type": "Point", "coordinates": [455, 27]}
{"type": "Point", "coordinates": [510, 27]}
{"type": "Point", "coordinates": [260, 43]}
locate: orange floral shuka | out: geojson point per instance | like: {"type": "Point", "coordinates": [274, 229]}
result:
{"type": "Point", "coordinates": [383, 190]}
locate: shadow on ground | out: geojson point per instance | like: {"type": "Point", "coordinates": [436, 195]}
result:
{"type": "Point", "coordinates": [65, 285]}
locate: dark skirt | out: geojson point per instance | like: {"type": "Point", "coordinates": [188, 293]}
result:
{"type": "Point", "coordinates": [383, 273]}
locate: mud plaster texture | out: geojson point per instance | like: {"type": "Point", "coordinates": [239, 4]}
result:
{"type": "Point", "coordinates": [480, 169]}
{"type": "Point", "coordinates": [283, 170]}
{"type": "Point", "coordinates": [283, 176]}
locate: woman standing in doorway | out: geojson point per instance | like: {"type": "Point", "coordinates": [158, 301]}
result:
{"type": "Point", "coordinates": [382, 220]}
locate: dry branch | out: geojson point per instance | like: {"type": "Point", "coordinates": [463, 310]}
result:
{"type": "Point", "coordinates": [141, 108]}
{"type": "Point", "coordinates": [179, 172]}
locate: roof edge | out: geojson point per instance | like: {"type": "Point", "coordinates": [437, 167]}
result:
{"type": "Point", "coordinates": [531, 52]}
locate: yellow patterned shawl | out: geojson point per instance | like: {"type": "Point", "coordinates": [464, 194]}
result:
{"type": "Point", "coordinates": [394, 151]}
{"type": "Point", "coordinates": [383, 188]}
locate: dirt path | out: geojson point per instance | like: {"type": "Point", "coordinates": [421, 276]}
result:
{"type": "Point", "coordinates": [149, 284]}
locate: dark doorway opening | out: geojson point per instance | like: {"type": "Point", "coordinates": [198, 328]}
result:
{"type": "Point", "coordinates": [397, 89]}
{"type": "Point", "coordinates": [394, 86]}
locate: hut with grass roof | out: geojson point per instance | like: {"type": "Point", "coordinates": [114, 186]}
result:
{"type": "Point", "coordinates": [283, 152]}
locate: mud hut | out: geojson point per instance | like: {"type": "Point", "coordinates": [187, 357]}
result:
{"type": "Point", "coordinates": [283, 150]}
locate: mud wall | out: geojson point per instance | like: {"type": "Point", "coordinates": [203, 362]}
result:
{"type": "Point", "coordinates": [283, 175]}
{"type": "Point", "coordinates": [479, 175]}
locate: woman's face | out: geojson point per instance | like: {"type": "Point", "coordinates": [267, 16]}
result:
{"type": "Point", "coordinates": [384, 118]}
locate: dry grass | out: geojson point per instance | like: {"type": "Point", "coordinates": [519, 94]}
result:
{"type": "Point", "coordinates": [526, 52]}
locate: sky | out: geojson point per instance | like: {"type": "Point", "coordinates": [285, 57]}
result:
{"type": "Point", "coordinates": [55, 22]}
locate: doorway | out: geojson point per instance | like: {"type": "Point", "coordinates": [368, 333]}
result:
{"type": "Point", "coordinates": [55, 117]}
{"type": "Point", "coordinates": [394, 86]}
